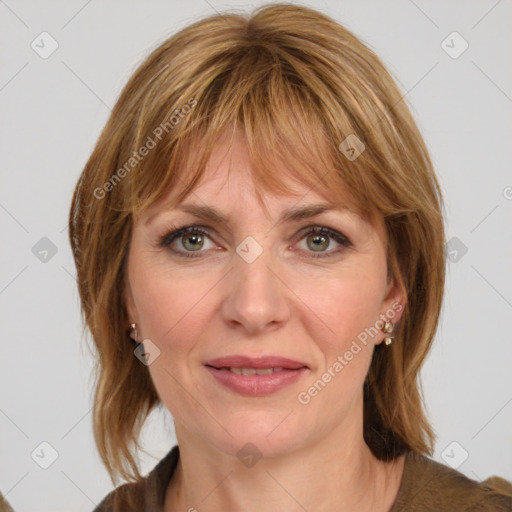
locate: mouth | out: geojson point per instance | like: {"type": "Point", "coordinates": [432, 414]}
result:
{"type": "Point", "coordinates": [251, 371]}
{"type": "Point", "coordinates": [255, 376]}
{"type": "Point", "coordinates": [256, 363]}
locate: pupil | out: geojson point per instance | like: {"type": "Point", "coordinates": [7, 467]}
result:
{"type": "Point", "coordinates": [318, 239]}
{"type": "Point", "coordinates": [194, 245]}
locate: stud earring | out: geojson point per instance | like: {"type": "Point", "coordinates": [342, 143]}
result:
{"type": "Point", "coordinates": [388, 329]}
{"type": "Point", "coordinates": [133, 332]}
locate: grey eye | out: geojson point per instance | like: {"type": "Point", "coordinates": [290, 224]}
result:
{"type": "Point", "coordinates": [318, 242]}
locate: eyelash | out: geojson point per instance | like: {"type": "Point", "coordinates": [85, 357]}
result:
{"type": "Point", "coordinates": [174, 232]}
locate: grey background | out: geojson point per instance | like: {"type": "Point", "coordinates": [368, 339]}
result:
{"type": "Point", "coordinates": [52, 112]}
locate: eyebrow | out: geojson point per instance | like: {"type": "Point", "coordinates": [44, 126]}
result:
{"type": "Point", "coordinates": [290, 215]}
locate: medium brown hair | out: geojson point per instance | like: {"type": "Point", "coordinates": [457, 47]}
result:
{"type": "Point", "coordinates": [296, 84]}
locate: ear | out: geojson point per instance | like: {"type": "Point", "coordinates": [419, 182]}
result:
{"type": "Point", "coordinates": [394, 298]}
{"type": "Point", "coordinates": [394, 302]}
{"type": "Point", "coordinates": [129, 303]}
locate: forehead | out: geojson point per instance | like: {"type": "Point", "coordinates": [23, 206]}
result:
{"type": "Point", "coordinates": [229, 181]}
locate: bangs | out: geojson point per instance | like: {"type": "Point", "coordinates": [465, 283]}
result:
{"type": "Point", "coordinates": [291, 135]}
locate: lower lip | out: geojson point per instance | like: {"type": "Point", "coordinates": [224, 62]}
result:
{"type": "Point", "coordinates": [256, 385]}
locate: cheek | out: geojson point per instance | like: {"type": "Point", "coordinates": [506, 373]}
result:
{"type": "Point", "coordinates": [172, 316]}
{"type": "Point", "coordinates": [175, 310]}
{"type": "Point", "coordinates": [343, 305]}
{"type": "Point", "coordinates": [167, 299]}
{"type": "Point", "coordinates": [344, 310]}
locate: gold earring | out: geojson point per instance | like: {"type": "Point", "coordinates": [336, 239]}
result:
{"type": "Point", "coordinates": [133, 332]}
{"type": "Point", "coordinates": [388, 328]}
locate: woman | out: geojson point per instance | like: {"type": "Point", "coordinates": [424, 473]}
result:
{"type": "Point", "coordinates": [259, 243]}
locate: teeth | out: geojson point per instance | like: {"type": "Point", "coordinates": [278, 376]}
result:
{"type": "Point", "coordinates": [264, 371]}
{"type": "Point", "coordinates": [254, 371]}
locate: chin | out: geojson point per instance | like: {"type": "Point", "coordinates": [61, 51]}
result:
{"type": "Point", "coordinates": [262, 432]}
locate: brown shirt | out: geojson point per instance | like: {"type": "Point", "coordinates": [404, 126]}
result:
{"type": "Point", "coordinates": [427, 486]}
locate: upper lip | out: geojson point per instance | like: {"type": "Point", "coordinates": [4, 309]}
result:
{"type": "Point", "coordinates": [239, 361]}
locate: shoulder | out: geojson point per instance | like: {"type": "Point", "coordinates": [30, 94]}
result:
{"type": "Point", "coordinates": [147, 494]}
{"type": "Point", "coordinates": [127, 497]}
{"type": "Point", "coordinates": [428, 485]}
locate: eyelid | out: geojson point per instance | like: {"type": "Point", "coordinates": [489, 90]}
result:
{"type": "Point", "coordinates": [321, 229]}
{"type": "Point", "coordinates": [174, 232]}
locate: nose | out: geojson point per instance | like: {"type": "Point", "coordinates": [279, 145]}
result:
{"type": "Point", "coordinates": [257, 297]}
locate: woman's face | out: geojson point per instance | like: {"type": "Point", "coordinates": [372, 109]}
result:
{"type": "Point", "coordinates": [258, 291]}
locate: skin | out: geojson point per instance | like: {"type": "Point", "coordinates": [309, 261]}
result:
{"type": "Point", "coordinates": [285, 303]}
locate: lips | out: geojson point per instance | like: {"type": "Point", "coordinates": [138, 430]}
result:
{"type": "Point", "coordinates": [258, 376]}
{"type": "Point", "coordinates": [255, 362]}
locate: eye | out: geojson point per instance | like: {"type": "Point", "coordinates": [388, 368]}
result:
{"type": "Point", "coordinates": [319, 239]}
{"type": "Point", "coordinates": [189, 241]}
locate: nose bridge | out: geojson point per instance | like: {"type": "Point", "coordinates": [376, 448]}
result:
{"type": "Point", "coordinates": [256, 297]}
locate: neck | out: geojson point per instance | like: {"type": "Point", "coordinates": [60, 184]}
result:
{"type": "Point", "coordinates": [336, 473]}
